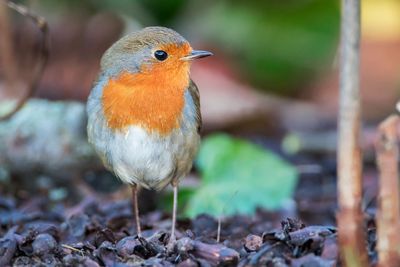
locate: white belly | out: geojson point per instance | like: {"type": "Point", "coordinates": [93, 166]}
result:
{"type": "Point", "coordinates": [150, 160]}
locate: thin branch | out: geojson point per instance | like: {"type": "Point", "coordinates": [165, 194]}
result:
{"type": "Point", "coordinates": [388, 215]}
{"type": "Point", "coordinates": [350, 217]}
{"type": "Point", "coordinates": [7, 55]}
{"type": "Point", "coordinates": [219, 229]}
{"type": "Point", "coordinates": [37, 71]}
{"type": "Point", "coordinates": [222, 214]}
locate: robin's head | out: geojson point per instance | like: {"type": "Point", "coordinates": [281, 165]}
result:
{"type": "Point", "coordinates": [146, 74]}
{"type": "Point", "coordinates": [150, 51]}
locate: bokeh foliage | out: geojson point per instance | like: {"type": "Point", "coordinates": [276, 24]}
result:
{"type": "Point", "coordinates": [238, 177]}
{"type": "Point", "coordinates": [279, 45]}
{"type": "Point", "coordinates": [276, 45]}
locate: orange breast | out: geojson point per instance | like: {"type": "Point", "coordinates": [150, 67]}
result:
{"type": "Point", "coordinates": [154, 100]}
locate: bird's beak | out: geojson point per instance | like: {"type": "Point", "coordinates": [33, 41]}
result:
{"type": "Point", "coordinates": [195, 54]}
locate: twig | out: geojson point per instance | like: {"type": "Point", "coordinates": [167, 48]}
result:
{"type": "Point", "coordinates": [222, 214]}
{"type": "Point", "coordinates": [71, 248]}
{"type": "Point", "coordinates": [42, 58]}
{"type": "Point", "coordinates": [350, 217]}
{"type": "Point", "coordinates": [219, 229]}
{"type": "Point", "coordinates": [388, 215]}
{"type": "Point", "coordinates": [6, 47]}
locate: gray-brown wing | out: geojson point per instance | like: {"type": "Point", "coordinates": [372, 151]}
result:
{"type": "Point", "coordinates": [194, 92]}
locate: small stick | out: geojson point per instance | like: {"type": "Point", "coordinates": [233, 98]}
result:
{"type": "Point", "coordinates": [220, 217]}
{"type": "Point", "coordinates": [135, 205]}
{"type": "Point", "coordinates": [37, 71]}
{"type": "Point", "coordinates": [73, 249]}
{"type": "Point", "coordinates": [350, 220]}
{"type": "Point", "coordinates": [7, 56]}
{"type": "Point", "coordinates": [219, 229]}
{"type": "Point", "coordinates": [388, 215]}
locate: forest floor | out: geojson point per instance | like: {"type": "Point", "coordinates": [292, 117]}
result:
{"type": "Point", "coordinates": [101, 232]}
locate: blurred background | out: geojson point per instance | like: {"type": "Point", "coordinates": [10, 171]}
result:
{"type": "Point", "coordinates": [269, 99]}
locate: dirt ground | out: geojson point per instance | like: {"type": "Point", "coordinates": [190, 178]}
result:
{"type": "Point", "coordinates": [101, 232]}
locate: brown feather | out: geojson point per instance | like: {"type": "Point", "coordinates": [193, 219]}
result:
{"type": "Point", "coordinates": [194, 92]}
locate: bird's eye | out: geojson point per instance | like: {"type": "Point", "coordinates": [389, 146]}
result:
{"type": "Point", "coordinates": [160, 55]}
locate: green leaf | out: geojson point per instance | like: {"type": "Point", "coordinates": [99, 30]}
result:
{"type": "Point", "coordinates": [238, 177]}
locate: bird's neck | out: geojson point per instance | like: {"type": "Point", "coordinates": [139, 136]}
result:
{"type": "Point", "coordinates": [153, 101]}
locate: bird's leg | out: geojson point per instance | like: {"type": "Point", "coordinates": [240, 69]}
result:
{"type": "Point", "coordinates": [136, 208]}
{"type": "Point", "coordinates": [174, 211]}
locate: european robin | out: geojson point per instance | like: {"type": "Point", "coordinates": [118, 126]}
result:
{"type": "Point", "coordinates": [144, 111]}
